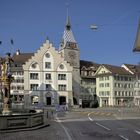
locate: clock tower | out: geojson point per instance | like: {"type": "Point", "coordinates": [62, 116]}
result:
{"type": "Point", "coordinates": [71, 53]}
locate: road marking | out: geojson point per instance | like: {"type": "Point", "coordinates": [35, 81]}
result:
{"type": "Point", "coordinates": [65, 129]}
{"type": "Point", "coordinates": [103, 126]}
{"type": "Point", "coordinates": [89, 116]}
{"type": "Point", "coordinates": [138, 132]}
{"type": "Point", "coordinates": [124, 138]}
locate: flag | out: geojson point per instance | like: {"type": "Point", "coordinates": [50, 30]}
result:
{"type": "Point", "coordinates": [12, 42]}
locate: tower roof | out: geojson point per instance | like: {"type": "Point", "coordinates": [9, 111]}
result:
{"type": "Point", "coordinates": [137, 41]}
{"type": "Point", "coordinates": [68, 34]}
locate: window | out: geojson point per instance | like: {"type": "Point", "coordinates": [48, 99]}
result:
{"type": "Point", "coordinates": [106, 84]}
{"type": "Point", "coordinates": [126, 93]}
{"type": "Point", "coordinates": [101, 85]}
{"type": "Point", "coordinates": [48, 87]}
{"type": "Point", "coordinates": [48, 76]}
{"type": "Point", "coordinates": [101, 78]}
{"type": "Point", "coordinates": [121, 78]}
{"type": "Point", "coordinates": [122, 93]}
{"type": "Point", "coordinates": [61, 76]}
{"type": "Point", "coordinates": [19, 73]}
{"type": "Point", "coordinates": [48, 65]}
{"type": "Point", "coordinates": [33, 75]}
{"type": "Point", "coordinates": [126, 78]}
{"type": "Point", "coordinates": [115, 93]}
{"type": "Point", "coordinates": [34, 65]}
{"type": "Point", "coordinates": [119, 93]}
{"type": "Point", "coordinates": [106, 77]}
{"type": "Point", "coordinates": [34, 87]}
{"type": "Point", "coordinates": [107, 93]}
{"type": "Point", "coordinates": [47, 55]}
{"type": "Point", "coordinates": [61, 66]}
{"type": "Point", "coordinates": [62, 87]}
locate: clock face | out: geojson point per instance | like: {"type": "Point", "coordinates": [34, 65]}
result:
{"type": "Point", "coordinates": [72, 54]}
{"type": "Point", "coordinates": [73, 63]}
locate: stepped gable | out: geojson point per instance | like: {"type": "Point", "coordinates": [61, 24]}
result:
{"type": "Point", "coordinates": [134, 68]}
{"type": "Point", "coordinates": [116, 69]}
{"type": "Point", "coordinates": [37, 57]}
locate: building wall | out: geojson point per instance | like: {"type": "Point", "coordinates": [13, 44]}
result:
{"type": "Point", "coordinates": [55, 60]}
{"type": "Point", "coordinates": [114, 90]}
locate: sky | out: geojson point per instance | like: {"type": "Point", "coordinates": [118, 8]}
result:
{"type": "Point", "coordinates": [30, 22]}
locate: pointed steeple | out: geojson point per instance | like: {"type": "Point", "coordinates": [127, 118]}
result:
{"type": "Point", "coordinates": [68, 36]}
{"type": "Point", "coordinates": [137, 41]}
{"type": "Point", "coordinates": [68, 25]}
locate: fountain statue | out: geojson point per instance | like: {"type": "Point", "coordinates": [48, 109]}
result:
{"type": "Point", "coordinates": [6, 78]}
{"type": "Point", "coordinates": [8, 118]}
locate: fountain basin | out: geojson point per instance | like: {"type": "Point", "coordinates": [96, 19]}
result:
{"type": "Point", "coordinates": [19, 121]}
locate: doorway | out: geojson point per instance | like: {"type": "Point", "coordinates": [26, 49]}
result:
{"type": "Point", "coordinates": [48, 100]}
{"type": "Point", "coordinates": [62, 100]}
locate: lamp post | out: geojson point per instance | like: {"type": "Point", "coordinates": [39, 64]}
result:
{"type": "Point", "coordinates": [6, 78]}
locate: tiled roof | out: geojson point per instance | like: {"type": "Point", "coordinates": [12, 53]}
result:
{"type": "Point", "coordinates": [134, 68]}
{"type": "Point", "coordinates": [21, 58]}
{"type": "Point", "coordinates": [68, 34]}
{"type": "Point", "coordinates": [88, 64]}
{"type": "Point", "coordinates": [116, 69]}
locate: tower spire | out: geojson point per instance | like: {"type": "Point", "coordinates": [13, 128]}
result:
{"type": "Point", "coordinates": [68, 25]}
{"type": "Point", "coordinates": [137, 40]}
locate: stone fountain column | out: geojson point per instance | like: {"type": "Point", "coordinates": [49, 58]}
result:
{"type": "Point", "coordinates": [6, 78]}
{"type": "Point", "coordinates": [6, 100]}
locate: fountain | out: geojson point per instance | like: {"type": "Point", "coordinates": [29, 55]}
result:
{"type": "Point", "coordinates": [9, 119]}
